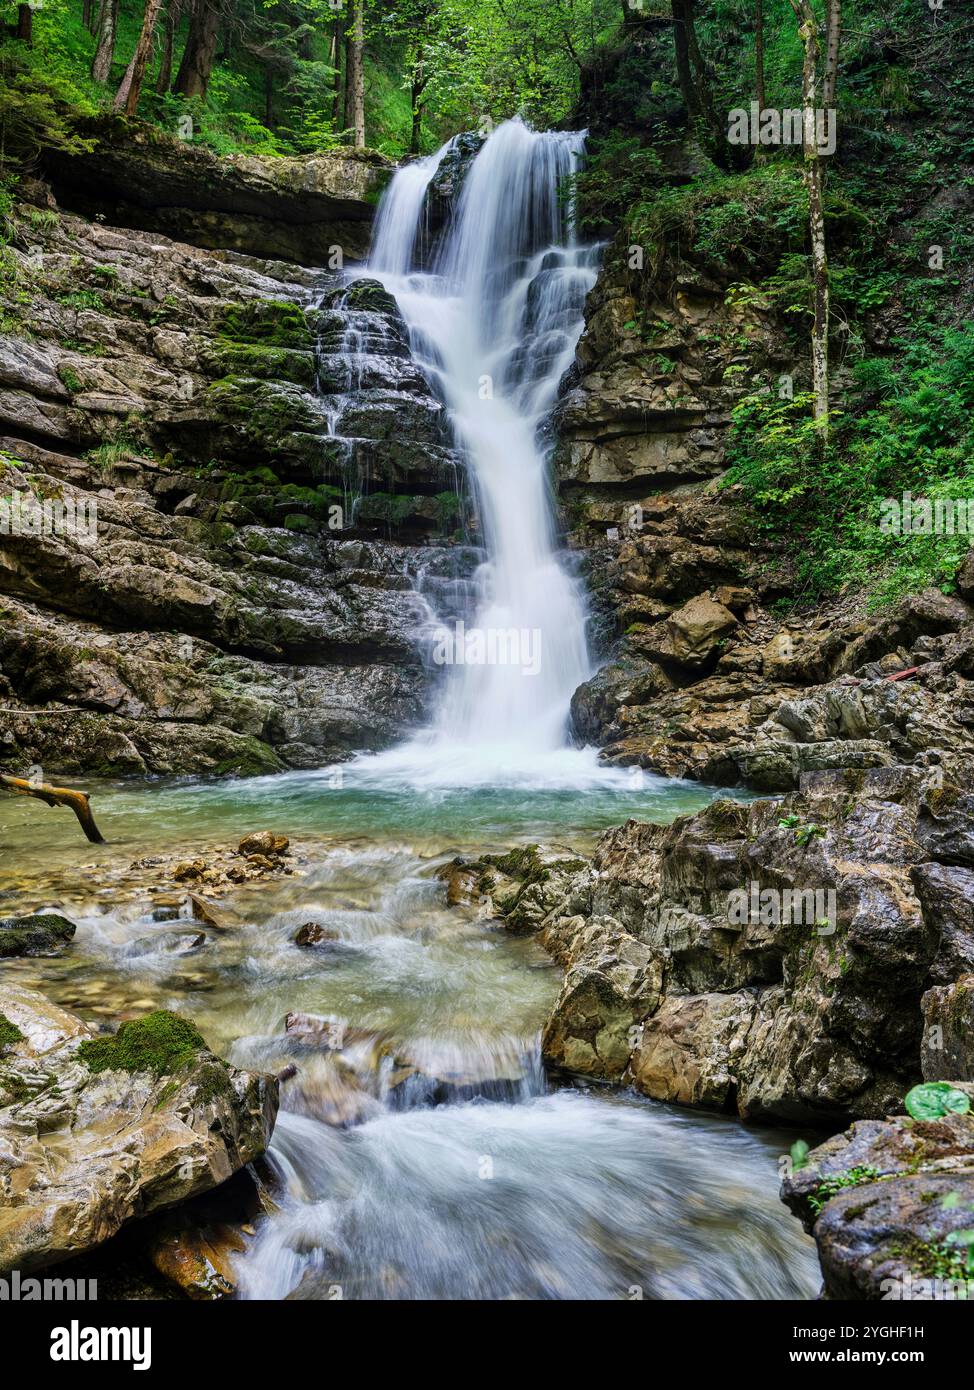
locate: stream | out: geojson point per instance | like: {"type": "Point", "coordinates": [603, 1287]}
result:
{"type": "Point", "coordinates": [477, 1178]}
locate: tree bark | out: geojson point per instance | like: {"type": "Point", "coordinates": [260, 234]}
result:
{"type": "Point", "coordinates": [130, 87]}
{"type": "Point", "coordinates": [814, 183]}
{"type": "Point", "coordinates": [416, 99]}
{"type": "Point", "coordinates": [357, 73]}
{"type": "Point", "coordinates": [86, 13]}
{"type": "Point", "coordinates": [833, 39]}
{"type": "Point", "coordinates": [335, 60]}
{"type": "Point", "coordinates": [697, 96]}
{"type": "Point", "coordinates": [58, 796]}
{"type": "Point", "coordinates": [101, 64]}
{"type": "Point", "coordinates": [759, 92]}
{"type": "Point", "coordinates": [25, 24]}
{"type": "Point", "coordinates": [164, 77]}
{"type": "Point", "coordinates": [195, 70]}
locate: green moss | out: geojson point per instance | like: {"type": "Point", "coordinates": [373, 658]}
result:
{"type": "Point", "coordinates": [9, 1032]}
{"type": "Point", "coordinates": [70, 379]}
{"type": "Point", "coordinates": [270, 322]}
{"type": "Point", "coordinates": [161, 1043]}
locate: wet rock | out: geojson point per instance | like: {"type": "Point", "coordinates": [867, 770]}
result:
{"type": "Point", "coordinates": [263, 842]}
{"type": "Point", "coordinates": [196, 1246]}
{"type": "Point", "coordinates": [463, 882]}
{"type": "Point", "coordinates": [46, 934]}
{"type": "Point", "coordinates": [883, 1202]}
{"type": "Point", "coordinates": [611, 984]}
{"type": "Point", "coordinates": [948, 1035]}
{"type": "Point", "coordinates": [770, 956]}
{"type": "Point", "coordinates": [169, 943]}
{"type": "Point", "coordinates": [690, 1050]}
{"type": "Point", "coordinates": [314, 934]}
{"type": "Point", "coordinates": [146, 1118]}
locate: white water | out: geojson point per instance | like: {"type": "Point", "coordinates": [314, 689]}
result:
{"type": "Point", "coordinates": [494, 324]}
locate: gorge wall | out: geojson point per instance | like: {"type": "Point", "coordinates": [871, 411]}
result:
{"type": "Point", "coordinates": [264, 520]}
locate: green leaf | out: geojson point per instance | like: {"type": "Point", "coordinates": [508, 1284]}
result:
{"type": "Point", "coordinates": [799, 1154]}
{"type": "Point", "coordinates": [933, 1099]}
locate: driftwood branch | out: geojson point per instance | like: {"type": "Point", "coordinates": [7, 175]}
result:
{"type": "Point", "coordinates": [58, 796]}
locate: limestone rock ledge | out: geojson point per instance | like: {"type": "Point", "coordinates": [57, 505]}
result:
{"type": "Point", "coordinates": [86, 1146]}
{"type": "Point", "coordinates": [812, 1013]}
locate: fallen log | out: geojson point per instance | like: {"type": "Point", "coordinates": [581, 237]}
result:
{"type": "Point", "coordinates": [57, 796]}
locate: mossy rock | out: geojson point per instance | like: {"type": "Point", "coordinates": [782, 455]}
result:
{"type": "Point", "coordinates": [366, 294]}
{"type": "Point", "coordinates": [265, 363]}
{"type": "Point", "coordinates": [9, 1033]}
{"type": "Point", "coordinates": [160, 1044]}
{"type": "Point", "coordinates": [270, 322]}
{"type": "Point", "coordinates": [47, 934]}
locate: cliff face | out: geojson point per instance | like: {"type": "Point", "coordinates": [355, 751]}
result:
{"type": "Point", "coordinates": [702, 676]}
{"type": "Point", "coordinates": [246, 600]}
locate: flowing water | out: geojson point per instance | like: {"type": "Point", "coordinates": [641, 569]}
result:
{"type": "Point", "coordinates": [494, 323]}
{"type": "Point", "coordinates": [421, 1151]}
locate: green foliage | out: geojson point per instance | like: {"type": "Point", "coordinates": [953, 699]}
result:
{"type": "Point", "coordinates": [837, 1182]}
{"type": "Point", "coordinates": [160, 1044]}
{"type": "Point", "coordinates": [932, 1100]}
{"type": "Point", "coordinates": [799, 1155]}
{"type": "Point", "coordinates": [912, 431]}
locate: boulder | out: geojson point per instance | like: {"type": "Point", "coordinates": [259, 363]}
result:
{"type": "Point", "coordinates": [46, 934]}
{"type": "Point", "coordinates": [98, 1129]}
{"type": "Point", "coordinates": [888, 1203]}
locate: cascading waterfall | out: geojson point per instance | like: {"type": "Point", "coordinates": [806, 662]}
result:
{"type": "Point", "coordinates": [494, 324]}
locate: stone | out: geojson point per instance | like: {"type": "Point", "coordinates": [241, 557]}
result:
{"type": "Point", "coordinates": [263, 842]}
{"type": "Point", "coordinates": [89, 1144]}
{"type": "Point", "coordinates": [948, 1033]}
{"type": "Point", "coordinates": [611, 984]}
{"type": "Point", "coordinates": [882, 1201]}
{"type": "Point", "coordinates": [314, 934]}
{"type": "Point", "coordinates": [46, 934]}
{"type": "Point", "coordinates": [690, 1049]}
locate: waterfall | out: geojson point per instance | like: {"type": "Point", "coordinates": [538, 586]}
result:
{"type": "Point", "coordinates": [494, 322]}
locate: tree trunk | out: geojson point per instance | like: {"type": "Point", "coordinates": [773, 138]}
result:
{"type": "Point", "coordinates": [25, 24]}
{"type": "Point", "coordinates": [697, 96]}
{"type": "Point", "coordinates": [101, 64]}
{"type": "Point", "coordinates": [164, 78]}
{"type": "Point", "coordinates": [335, 61]}
{"type": "Point", "coordinates": [357, 73]}
{"type": "Point", "coordinates": [268, 96]}
{"type": "Point", "coordinates": [86, 14]}
{"type": "Point", "coordinates": [416, 100]}
{"type": "Point", "coordinates": [759, 92]}
{"type": "Point", "coordinates": [130, 88]}
{"type": "Point", "coordinates": [814, 183]}
{"type": "Point", "coordinates": [193, 76]}
{"type": "Point", "coordinates": [833, 37]}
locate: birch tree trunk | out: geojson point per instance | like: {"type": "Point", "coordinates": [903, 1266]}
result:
{"type": "Point", "coordinates": [814, 183]}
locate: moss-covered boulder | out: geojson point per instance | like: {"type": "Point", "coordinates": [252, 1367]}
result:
{"type": "Point", "coordinates": [46, 934]}
{"type": "Point", "coordinates": [147, 1117]}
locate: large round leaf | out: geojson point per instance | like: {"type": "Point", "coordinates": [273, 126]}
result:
{"type": "Point", "coordinates": [934, 1099]}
